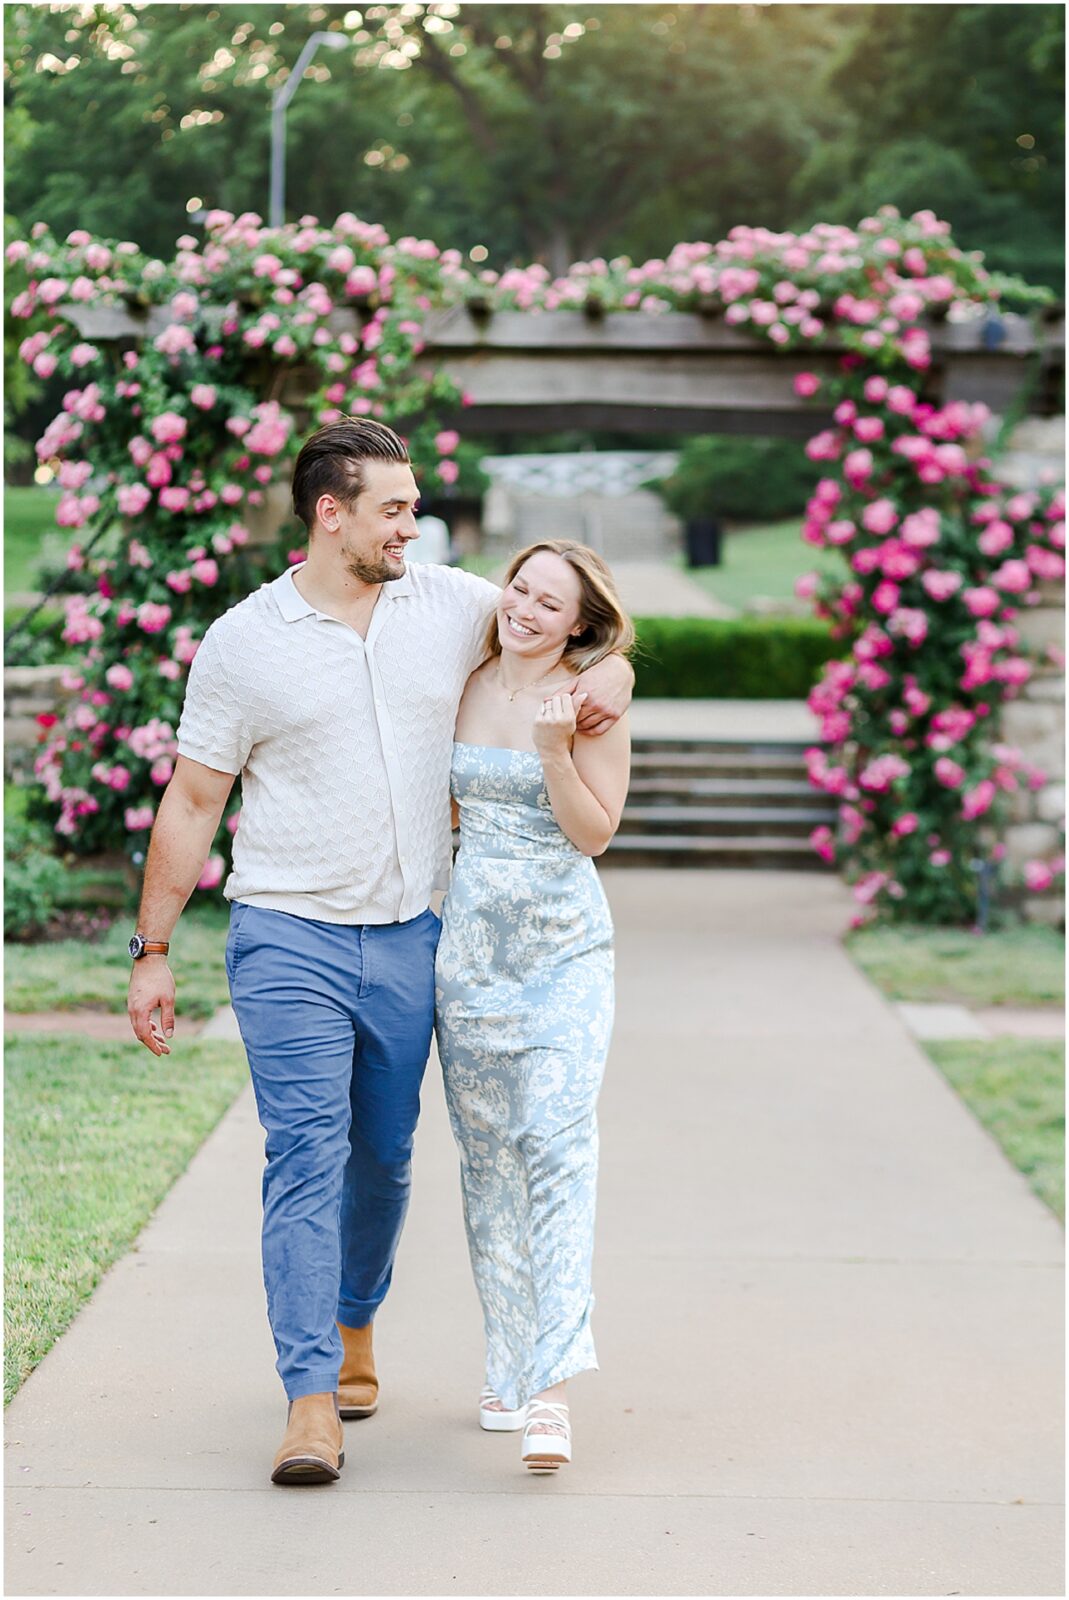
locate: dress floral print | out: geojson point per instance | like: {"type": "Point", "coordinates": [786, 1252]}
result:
{"type": "Point", "coordinates": [524, 995]}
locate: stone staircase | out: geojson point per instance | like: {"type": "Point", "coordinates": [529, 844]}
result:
{"type": "Point", "coordinates": [703, 802]}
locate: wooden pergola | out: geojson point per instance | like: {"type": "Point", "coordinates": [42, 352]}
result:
{"type": "Point", "coordinates": [671, 373]}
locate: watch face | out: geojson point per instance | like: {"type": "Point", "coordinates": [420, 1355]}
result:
{"type": "Point", "coordinates": [137, 946]}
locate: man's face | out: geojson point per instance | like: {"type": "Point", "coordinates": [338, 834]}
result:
{"type": "Point", "coordinates": [376, 529]}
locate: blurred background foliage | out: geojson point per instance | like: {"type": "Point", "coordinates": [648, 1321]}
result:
{"type": "Point", "coordinates": [546, 132]}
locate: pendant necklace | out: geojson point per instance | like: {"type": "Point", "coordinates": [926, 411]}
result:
{"type": "Point", "coordinates": [520, 687]}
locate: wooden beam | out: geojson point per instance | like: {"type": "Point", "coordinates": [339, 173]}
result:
{"type": "Point", "coordinates": [677, 372]}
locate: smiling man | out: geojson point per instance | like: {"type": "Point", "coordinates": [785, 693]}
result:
{"type": "Point", "coordinates": [333, 692]}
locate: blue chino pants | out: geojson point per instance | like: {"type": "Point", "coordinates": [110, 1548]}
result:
{"type": "Point", "coordinates": [336, 1021]}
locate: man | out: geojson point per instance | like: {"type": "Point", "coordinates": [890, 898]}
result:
{"type": "Point", "coordinates": [333, 692]}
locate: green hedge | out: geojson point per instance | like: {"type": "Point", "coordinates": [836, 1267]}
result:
{"type": "Point", "coordinates": [747, 658]}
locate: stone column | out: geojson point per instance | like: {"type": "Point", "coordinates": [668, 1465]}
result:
{"type": "Point", "coordinates": [1035, 721]}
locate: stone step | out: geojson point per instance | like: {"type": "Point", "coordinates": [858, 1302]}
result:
{"type": "Point", "coordinates": [681, 850]}
{"type": "Point", "coordinates": [713, 822]}
{"type": "Point", "coordinates": [651, 764]}
{"type": "Point", "coordinates": [702, 745]}
{"type": "Point", "coordinates": [687, 790]}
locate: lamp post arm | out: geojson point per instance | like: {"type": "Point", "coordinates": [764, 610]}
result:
{"type": "Point", "coordinates": [282, 98]}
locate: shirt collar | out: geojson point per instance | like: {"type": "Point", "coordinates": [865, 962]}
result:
{"type": "Point", "coordinates": [294, 606]}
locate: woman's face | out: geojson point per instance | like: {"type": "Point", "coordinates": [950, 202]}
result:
{"type": "Point", "coordinates": [539, 611]}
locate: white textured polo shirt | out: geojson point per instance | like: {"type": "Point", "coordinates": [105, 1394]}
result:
{"type": "Point", "coordinates": [343, 744]}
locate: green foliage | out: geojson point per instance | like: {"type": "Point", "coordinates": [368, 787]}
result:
{"type": "Point", "coordinates": [1015, 1087]}
{"type": "Point", "coordinates": [651, 125]}
{"type": "Point", "coordinates": [29, 520]}
{"type": "Point", "coordinates": [751, 658]}
{"type": "Point", "coordinates": [1022, 966]}
{"type": "Point", "coordinates": [69, 974]}
{"type": "Point", "coordinates": [956, 108]}
{"type": "Point", "coordinates": [95, 1135]}
{"type": "Point", "coordinates": [752, 480]}
{"type": "Point", "coordinates": [34, 877]}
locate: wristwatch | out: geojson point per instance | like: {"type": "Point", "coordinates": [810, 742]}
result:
{"type": "Point", "coordinates": [140, 946]}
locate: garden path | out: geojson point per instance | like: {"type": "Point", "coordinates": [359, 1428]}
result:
{"type": "Point", "coordinates": [828, 1321]}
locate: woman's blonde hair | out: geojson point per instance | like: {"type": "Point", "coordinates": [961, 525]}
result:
{"type": "Point", "coordinates": [607, 629]}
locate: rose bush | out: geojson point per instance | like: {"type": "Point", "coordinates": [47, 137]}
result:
{"type": "Point", "coordinates": [165, 444]}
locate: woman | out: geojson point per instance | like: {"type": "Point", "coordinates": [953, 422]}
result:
{"type": "Point", "coordinates": [524, 980]}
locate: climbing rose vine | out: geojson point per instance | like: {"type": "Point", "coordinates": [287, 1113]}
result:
{"type": "Point", "coordinates": [168, 444]}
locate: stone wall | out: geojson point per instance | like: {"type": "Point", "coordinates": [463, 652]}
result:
{"type": "Point", "coordinates": [1035, 722]}
{"type": "Point", "coordinates": [28, 692]}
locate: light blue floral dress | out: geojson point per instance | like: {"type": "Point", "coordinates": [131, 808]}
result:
{"type": "Point", "coordinates": [524, 1001]}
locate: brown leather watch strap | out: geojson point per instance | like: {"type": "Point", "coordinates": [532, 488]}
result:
{"type": "Point", "coordinates": [156, 947]}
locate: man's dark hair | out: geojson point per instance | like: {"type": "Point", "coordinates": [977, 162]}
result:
{"type": "Point", "coordinates": [332, 462]}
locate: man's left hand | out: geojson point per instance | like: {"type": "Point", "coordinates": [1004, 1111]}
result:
{"type": "Point", "coordinates": [608, 687]}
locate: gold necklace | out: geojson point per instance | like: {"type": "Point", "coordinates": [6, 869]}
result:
{"type": "Point", "coordinates": [520, 687]}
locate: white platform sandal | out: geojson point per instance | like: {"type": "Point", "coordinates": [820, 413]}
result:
{"type": "Point", "coordinates": [495, 1419]}
{"type": "Point", "coordinates": [545, 1452]}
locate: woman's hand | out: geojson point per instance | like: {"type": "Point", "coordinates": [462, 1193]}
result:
{"type": "Point", "coordinates": [554, 726]}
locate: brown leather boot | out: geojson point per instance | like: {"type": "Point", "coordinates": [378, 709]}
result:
{"type": "Point", "coordinates": [311, 1451]}
{"type": "Point", "coordinates": [358, 1387]}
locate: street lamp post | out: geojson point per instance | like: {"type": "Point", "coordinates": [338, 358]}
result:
{"type": "Point", "coordinates": [283, 96]}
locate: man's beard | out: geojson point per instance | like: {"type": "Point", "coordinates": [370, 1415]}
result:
{"type": "Point", "coordinates": [380, 571]}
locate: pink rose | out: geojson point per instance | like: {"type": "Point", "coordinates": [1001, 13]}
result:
{"type": "Point", "coordinates": [175, 340]}
{"type": "Point", "coordinates": [174, 499]}
{"type": "Point", "coordinates": [132, 498]}
{"type": "Point", "coordinates": [982, 601]}
{"type": "Point", "coordinates": [1038, 876]}
{"type": "Point", "coordinates": [880, 516]}
{"type": "Point", "coordinates": [949, 773]}
{"type": "Point", "coordinates": [119, 677]}
{"type": "Point", "coordinates": [857, 467]}
{"type": "Point", "coordinates": [202, 395]}
{"type": "Point", "coordinates": [885, 597]}
{"type": "Point", "coordinates": [206, 571]}
{"type": "Point", "coordinates": [1013, 576]}
{"type": "Point", "coordinates": [446, 441]}
{"type": "Point", "coordinates": [152, 618]}
{"type": "Point", "coordinates": [941, 585]}
{"type": "Point", "coordinates": [977, 800]}
{"type": "Point", "coordinates": [996, 538]}
{"type": "Point", "coordinates": [448, 471]}
{"type": "Point", "coordinates": [806, 384]}
{"type": "Point", "coordinates": [212, 876]}
{"type": "Point", "coordinates": [168, 427]}
{"type": "Point", "coordinates": [921, 530]}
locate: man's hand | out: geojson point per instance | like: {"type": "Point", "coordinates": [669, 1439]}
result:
{"type": "Point", "coordinates": [607, 687]}
{"type": "Point", "coordinates": [152, 989]}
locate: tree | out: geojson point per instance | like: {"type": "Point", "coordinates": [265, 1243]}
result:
{"type": "Point", "coordinates": [956, 108]}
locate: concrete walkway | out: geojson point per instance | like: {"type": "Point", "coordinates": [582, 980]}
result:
{"type": "Point", "coordinates": [828, 1320]}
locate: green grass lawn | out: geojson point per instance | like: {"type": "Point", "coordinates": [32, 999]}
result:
{"type": "Point", "coordinates": [763, 560]}
{"type": "Point", "coordinates": [95, 1134]}
{"type": "Point", "coordinates": [1014, 1086]}
{"type": "Point", "coordinates": [1022, 966]}
{"type": "Point", "coordinates": [69, 973]}
{"type": "Point", "coordinates": [29, 514]}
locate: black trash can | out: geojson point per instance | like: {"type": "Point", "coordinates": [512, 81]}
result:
{"type": "Point", "coordinates": [702, 535]}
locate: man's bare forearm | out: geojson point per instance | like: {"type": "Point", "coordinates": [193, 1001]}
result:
{"type": "Point", "coordinates": [181, 839]}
